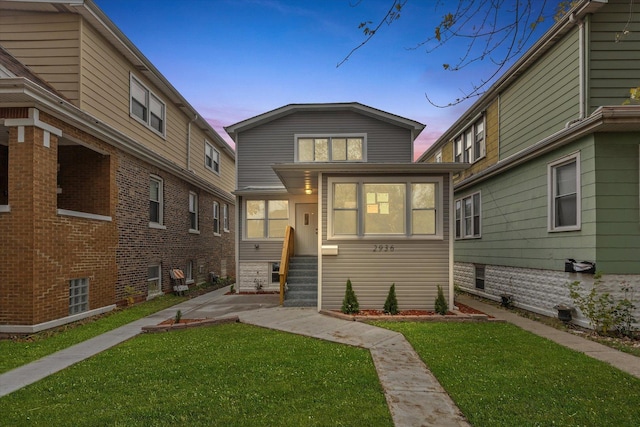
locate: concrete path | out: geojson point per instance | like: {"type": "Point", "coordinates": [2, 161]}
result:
{"type": "Point", "coordinates": [623, 361]}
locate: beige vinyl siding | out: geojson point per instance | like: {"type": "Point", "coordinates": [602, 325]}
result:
{"type": "Point", "coordinates": [105, 94]}
{"type": "Point", "coordinates": [543, 99]}
{"type": "Point", "coordinates": [515, 212]}
{"type": "Point", "coordinates": [415, 266]}
{"type": "Point", "coordinates": [614, 67]}
{"type": "Point", "coordinates": [48, 44]}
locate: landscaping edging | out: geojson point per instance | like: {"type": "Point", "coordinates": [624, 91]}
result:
{"type": "Point", "coordinates": [195, 324]}
{"type": "Point", "coordinates": [456, 317]}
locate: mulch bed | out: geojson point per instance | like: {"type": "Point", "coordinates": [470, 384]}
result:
{"type": "Point", "coordinates": [464, 313]}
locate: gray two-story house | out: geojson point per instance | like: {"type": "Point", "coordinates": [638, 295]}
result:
{"type": "Point", "coordinates": [338, 180]}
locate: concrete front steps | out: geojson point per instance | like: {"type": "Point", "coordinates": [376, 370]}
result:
{"type": "Point", "coordinates": [302, 282]}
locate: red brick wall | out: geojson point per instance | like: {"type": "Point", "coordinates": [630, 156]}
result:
{"type": "Point", "coordinates": [4, 175]}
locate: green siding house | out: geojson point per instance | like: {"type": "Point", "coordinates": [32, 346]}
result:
{"type": "Point", "coordinates": [554, 147]}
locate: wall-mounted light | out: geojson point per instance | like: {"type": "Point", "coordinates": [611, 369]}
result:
{"type": "Point", "coordinates": [308, 191]}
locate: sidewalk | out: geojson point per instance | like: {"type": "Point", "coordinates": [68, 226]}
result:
{"type": "Point", "coordinates": [623, 361]}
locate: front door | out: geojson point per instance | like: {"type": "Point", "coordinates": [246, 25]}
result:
{"type": "Point", "coordinates": [306, 229]}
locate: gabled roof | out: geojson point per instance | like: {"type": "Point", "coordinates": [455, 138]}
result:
{"type": "Point", "coordinates": [542, 46]}
{"type": "Point", "coordinates": [269, 116]}
{"type": "Point", "coordinates": [101, 22]}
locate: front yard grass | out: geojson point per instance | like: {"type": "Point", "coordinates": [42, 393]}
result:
{"type": "Point", "coordinates": [231, 375]}
{"type": "Point", "coordinates": [501, 375]}
{"type": "Point", "coordinates": [18, 352]}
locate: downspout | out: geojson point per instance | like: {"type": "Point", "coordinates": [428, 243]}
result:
{"type": "Point", "coordinates": [189, 142]}
{"type": "Point", "coordinates": [451, 239]}
{"type": "Point", "coordinates": [581, 71]}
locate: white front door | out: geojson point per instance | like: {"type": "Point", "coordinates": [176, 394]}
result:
{"type": "Point", "coordinates": [306, 229]}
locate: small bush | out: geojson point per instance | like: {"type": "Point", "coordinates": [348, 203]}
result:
{"type": "Point", "coordinates": [350, 302]}
{"type": "Point", "coordinates": [441, 303]}
{"type": "Point", "coordinates": [178, 316]}
{"type": "Point", "coordinates": [391, 304]}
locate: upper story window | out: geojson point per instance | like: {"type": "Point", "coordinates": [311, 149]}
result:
{"type": "Point", "coordinates": [383, 207]}
{"type": "Point", "coordinates": [439, 156]}
{"type": "Point", "coordinates": [266, 219]}
{"type": "Point", "coordinates": [564, 193]}
{"type": "Point", "coordinates": [193, 211]}
{"type": "Point", "coordinates": [156, 205]}
{"type": "Point", "coordinates": [211, 157]}
{"type": "Point", "coordinates": [470, 146]}
{"type": "Point", "coordinates": [339, 148]}
{"type": "Point", "coordinates": [146, 107]}
{"type": "Point", "coordinates": [468, 217]}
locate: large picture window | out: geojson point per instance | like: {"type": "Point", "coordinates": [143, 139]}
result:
{"type": "Point", "coordinates": [564, 194]}
{"type": "Point", "coordinates": [266, 219]}
{"type": "Point", "coordinates": [330, 149]}
{"type": "Point", "coordinates": [363, 208]}
{"type": "Point", "coordinates": [467, 217]}
{"type": "Point", "coordinates": [146, 107]}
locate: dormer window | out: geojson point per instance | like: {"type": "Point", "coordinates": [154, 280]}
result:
{"type": "Point", "coordinates": [338, 148]}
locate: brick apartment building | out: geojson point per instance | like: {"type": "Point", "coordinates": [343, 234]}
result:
{"type": "Point", "coordinates": [108, 177]}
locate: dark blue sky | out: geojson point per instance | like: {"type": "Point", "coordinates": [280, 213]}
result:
{"type": "Point", "coordinates": [233, 59]}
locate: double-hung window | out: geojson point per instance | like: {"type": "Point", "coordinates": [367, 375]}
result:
{"type": "Point", "coordinates": [381, 207]}
{"type": "Point", "coordinates": [564, 193]}
{"type": "Point", "coordinates": [156, 208]}
{"type": "Point", "coordinates": [467, 217]}
{"type": "Point", "coordinates": [225, 217]}
{"type": "Point", "coordinates": [154, 280]}
{"type": "Point", "coordinates": [469, 146]}
{"type": "Point", "coordinates": [211, 158]}
{"type": "Point", "coordinates": [216, 218]}
{"type": "Point", "coordinates": [146, 107]}
{"type": "Point", "coordinates": [193, 211]}
{"type": "Point", "coordinates": [266, 219]}
{"type": "Point", "coordinates": [340, 148]}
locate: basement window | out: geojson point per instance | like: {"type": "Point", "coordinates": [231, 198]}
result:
{"type": "Point", "coordinates": [78, 295]}
{"type": "Point", "coordinates": [480, 270]}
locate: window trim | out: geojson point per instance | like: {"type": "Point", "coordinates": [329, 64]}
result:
{"type": "Point", "coordinates": [460, 233]}
{"type": "Point", "coordinates": [265, 231]}
{"type": "Point", "coordinates": [225, 217]}
{"type": "Point", "coordinates": [299, 136]}
{"type": "Point", "coordinates": [551, 190]}
{"type": "Point", "coordinates": [215, 165]}
{"type": "Point", "coordinates": [188, 272]}
{"type": "Point", "coordinates": [464, 151]}
{"type": "Point", "coordinates": [216, 218]}
{"type": "Point", "coordinates": [193, 212]}
{"type": "Point", "coordinates": [158, 278]}
{"type": "Point", "coordinates": [408, 208]}
{"type": "Point", "coordinates": [438, 157]}
{"type": "Point", "coordinates": [148, 97]}
{"type": "Point", "coordinates": [160, 223]}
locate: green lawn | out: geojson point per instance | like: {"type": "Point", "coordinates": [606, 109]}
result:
{"type": "Point", "coordinates": [227, 375]}
{"type": "Point", "coordinates": [16, 353]}
{"type": "Point", "coordinates": [500, 375]}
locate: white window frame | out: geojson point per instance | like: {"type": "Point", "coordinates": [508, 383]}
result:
{"type": "Point", "coordinates": [329, 138]}
{"type": "Point", "coordinates": [273, 268]}
{"type": "Point", "coordinates": [266, 228]}
{"type": "Point", "coordinates": [408, 209]}
{"type": "Point", "coordinates": [188, 272]}
{"type": "Point", "coordinates": [460, 229]}
{"type": "Point", "coordinates": [551, 191]}
{"type": "Point", "coordinates": [150, 98]}
{"type": "Point", "coordinates": [193, 212]}
{"type": "Point", "coordinates": [160, 202]}
{"type": "Point", "coordinates": [78, 296]}
{"type": "Point", "coordinates": [157, 278]}
{"type": "Point", "coordinates": [216, 218]}
{"type": "Point", "coordinates": [211, 157]}
{"type": "Point", "coordinates": [469, 145]}
{"type": "Point", "coordinates": [225, 218]}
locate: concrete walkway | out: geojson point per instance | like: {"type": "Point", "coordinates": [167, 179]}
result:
{"type": "Point", "coordinates": [623, 361]}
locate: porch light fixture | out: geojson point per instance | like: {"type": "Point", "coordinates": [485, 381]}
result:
{"type": "Point", "coordinates": [308, 191]}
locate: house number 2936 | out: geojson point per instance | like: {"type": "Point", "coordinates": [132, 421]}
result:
{"type": "Point", "coordinates": [383, 248]}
